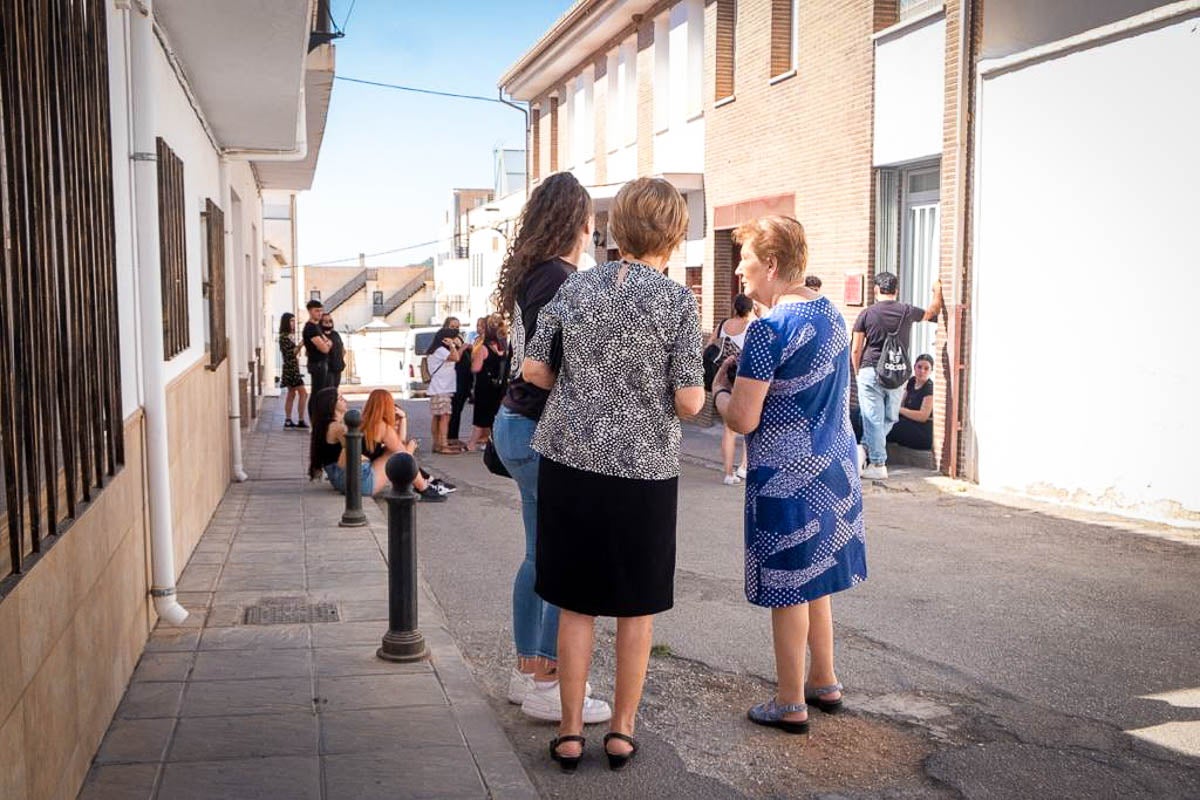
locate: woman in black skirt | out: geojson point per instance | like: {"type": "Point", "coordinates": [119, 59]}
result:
{"type": "Point", "coordinates": [609, 445]}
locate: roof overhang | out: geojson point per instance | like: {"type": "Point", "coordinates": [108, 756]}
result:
{"type": "Point", "coordinates": [250, 94]}
{"type": "Point", "coordinates": [585, 28]}
{"type": "Point", "coordinates": [318, 92]}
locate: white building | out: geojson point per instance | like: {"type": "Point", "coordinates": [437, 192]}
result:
{"type": "Point", "coordinates": [1087, 191]}
{"type": "Point", "coordinates": [143, 295]}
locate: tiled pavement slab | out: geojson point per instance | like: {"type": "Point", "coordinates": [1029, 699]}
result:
{"type": "Point", "coordinates": [218, 708]}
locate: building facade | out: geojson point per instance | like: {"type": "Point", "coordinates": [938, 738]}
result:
{"type": "Point", "coordinates": [133, 265]}
{"type": "Point", "coordinates": [916, 136]}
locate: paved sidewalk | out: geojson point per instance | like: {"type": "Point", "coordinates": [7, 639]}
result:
{"type": "Point", "coordinates": [221, 709]}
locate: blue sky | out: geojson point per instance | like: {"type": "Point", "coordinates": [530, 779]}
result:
{"type": "Point", "coordinates": [390, 158]}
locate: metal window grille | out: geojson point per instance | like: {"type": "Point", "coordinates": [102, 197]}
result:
{"type": "Point", "coordinates": [214, 231]}
{"type": "Point", "coordinates": [61, 431]}
{"type": "Point", "coordinates": [172, 246]}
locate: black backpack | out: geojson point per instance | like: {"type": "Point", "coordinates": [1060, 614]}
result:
{"type": "Point", "coordinates": [893, 368]}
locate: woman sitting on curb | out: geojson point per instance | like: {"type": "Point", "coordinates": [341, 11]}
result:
{"type": "Point", "coordinates": [327, 451]}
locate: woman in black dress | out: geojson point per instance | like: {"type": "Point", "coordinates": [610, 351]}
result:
{"type": "Point", "coordinates": [290, 377]}
{"type": "Point", "coordinates": [489, 362]}
{"type": "Point", "coordinates": [609, 444]}
{"type": "Point", "coordinates": [914, 429]}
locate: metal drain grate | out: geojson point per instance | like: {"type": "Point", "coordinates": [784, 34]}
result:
{"type": "Point", "coordinates": [289, 611]}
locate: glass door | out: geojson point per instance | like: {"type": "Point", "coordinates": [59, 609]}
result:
{"type": "Point", "coordinates": [920, 248]}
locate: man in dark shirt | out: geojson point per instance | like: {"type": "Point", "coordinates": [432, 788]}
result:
{"type": "Point", "coordinates": [316, 349]}
{"type": "Point", "coordinates": [336, 357]}
{"type": "Point", "coordinates": [463, 381]}
{"type": "Point", "coordinates": [880, 406]}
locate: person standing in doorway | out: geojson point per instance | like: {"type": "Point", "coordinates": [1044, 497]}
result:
{"type": "Point", "coordinates": [316, 351]}
{"type": "Point", "coordinates": [880, 406]}
{"type": "Point", "coordinates": [337, 353]}
{"type": "Point", "coordinates": [291, 379]}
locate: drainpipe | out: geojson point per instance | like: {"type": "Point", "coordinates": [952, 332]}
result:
{"type": "Point", "coordinates": [232, 329]}
{"type": "Point", "coordinates": [154, 390]}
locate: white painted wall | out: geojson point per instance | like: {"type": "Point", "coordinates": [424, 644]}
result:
{"type": "Point", "coordinates": [910, 92]}
{"type": "Point", "coordinates": [1085, 258]}
{"type": "Point", "coordinates": [679, 129]}
{"type": "Point", "coordinates": [127, 300]}
{"type": "Point", "coordinates": [178, 125]}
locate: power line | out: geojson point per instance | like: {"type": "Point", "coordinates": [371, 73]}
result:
{"type": "Point", "coordinates": [342, 28]}
{"type": "Point", "coordinates": [355, 257]}
{"type": "Point", "coordinates": [419, 91]}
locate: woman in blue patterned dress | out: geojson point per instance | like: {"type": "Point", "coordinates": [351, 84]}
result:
{"type": "Point", "coordinates": [804, 525]}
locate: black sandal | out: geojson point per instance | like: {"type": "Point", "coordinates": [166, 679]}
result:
{"type": "Point", "coordinates": [813, 698]}
{"type": "Point", "coordinates": [568, 763]}
{"type": "Point", "coordinates": [618, 761]}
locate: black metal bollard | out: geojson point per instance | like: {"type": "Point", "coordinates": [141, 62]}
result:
{"type": "Point", "coordinates": [403, 641]}
{"type": "Point", "coordinates": [353, 516]}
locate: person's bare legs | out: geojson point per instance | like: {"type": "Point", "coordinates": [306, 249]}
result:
{"type": "Point", "coordinates": [287, 402]}
{"type": "Point", "coordinates": [302, 405]}
{"type": "Point", "coordinates": [635, 636]}
{"type": "Point", "coordinates": [576, 633]}
{"type": "Point", "coordinates": [441, 427]}
{"type": "Point", "coordinates": [728, 445]}
{"type": "Point", "coordinates": [820, 645]}
{"type": "Point", "coordinates": [789, 628]}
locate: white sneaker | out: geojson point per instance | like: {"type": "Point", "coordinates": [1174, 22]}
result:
{"type": "Point", "coordinates": [520, 684]}
{"type": "Point", "coordinates": [732, 480]}
{"type": "Point", "coordinates": [862, 458]}
{"type": "Point", "coordinates": [543, 702]}
{"type": "Point", "coordinates": [875, 472]}
{"type": "Point", "coordinates": [740, 472]}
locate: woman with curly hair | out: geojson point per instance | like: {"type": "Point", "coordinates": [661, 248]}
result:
{"type": "Point", "coordinates": [554, 230]}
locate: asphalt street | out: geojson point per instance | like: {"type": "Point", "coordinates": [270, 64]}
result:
{"type": "Point", "coordinates": [994, 652]}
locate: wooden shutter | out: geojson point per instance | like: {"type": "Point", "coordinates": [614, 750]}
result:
{"type": "Point", "coordinates": [214, 228]}
{"type": "Point", "coordinates": [535, 121]}
{"type": "Point", "coordinates": [553, 134]}
{"type": "Point", "coordinates": [172, 246]}
{"type": "Point", "coordinates": [726, 45]}
{"type": "Point", "coordinates": [783, 29]}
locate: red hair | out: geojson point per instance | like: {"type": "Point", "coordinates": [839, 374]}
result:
{"type": "Point", "coordinates": [380, 408]}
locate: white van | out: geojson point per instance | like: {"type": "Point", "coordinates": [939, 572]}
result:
{"type": "Point", "coordinates": [416, 342]}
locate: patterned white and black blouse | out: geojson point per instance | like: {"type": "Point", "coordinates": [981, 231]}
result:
{"type": "Point", "coordinates": [627, 345]}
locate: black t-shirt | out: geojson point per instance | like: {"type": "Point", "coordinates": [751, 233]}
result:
{"type": "Point", "coordinates": [881, 319]}
{"type": "Point", "coordinates": [315, 357]}
{"type": "Point", "coordinates": [538, 289]}
{"type": "Point", "coordinates": [914, 397]}
{"type": "Point", "coordinates": [463, 376]}
{"type": "Point", "coordinates": [337, 353]}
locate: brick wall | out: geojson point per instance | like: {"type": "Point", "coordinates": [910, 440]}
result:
{"type": "Point", "coordinates": [955, 257]}
{"type": "Point", "coordinates": [809, 134]}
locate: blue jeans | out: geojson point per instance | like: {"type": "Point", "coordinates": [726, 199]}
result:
{"type": "Point", "coordinates": [337, 478]}
{"type": "Point", "coordinates": [535, 622]}
{"type": "Point", "coordinates": [880, 409]}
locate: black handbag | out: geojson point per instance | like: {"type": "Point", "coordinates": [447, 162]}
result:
{"type": "Point", "coordinates": [491, 460]}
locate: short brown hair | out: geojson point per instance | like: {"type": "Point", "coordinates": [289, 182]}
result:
{"type": "Point", "coordinates": [648, 218]}
{"type": "Point", "coordinates": [779, 239]}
